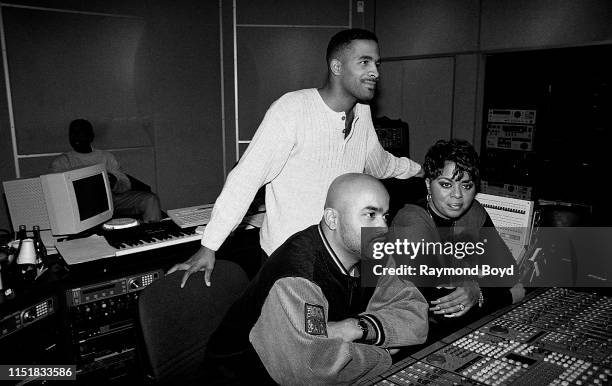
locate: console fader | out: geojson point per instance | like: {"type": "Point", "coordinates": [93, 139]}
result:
{"type": "Point", "coordinates": [560, 337]}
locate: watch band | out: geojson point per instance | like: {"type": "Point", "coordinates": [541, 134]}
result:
{"type": "Point", "coordinates": [364, 330]}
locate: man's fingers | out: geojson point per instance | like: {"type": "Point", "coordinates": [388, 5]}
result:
{"type": "Point", "coordinates": [207, 274]}
{"type": "Point", "coordinates": [174, 268]}
{"type": "Point", "coordinates": [185, 277]}
{"type": "Point", "coordinates": [178, 267]}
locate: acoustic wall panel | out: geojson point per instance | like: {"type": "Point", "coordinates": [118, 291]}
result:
{"type": "Point", "coordinates": [138, 162]}
{"type": "Point", "coordinates": [428, 100]}
{"type": "Point", "coordinates": [420, 93]}
{"type": "Point", "coordinates": [467, 121]}
{"type": "Point", "coordinates": [293, 12]}
{"type": "Point", "coordinates": [420, 27]}
{"type": "Point", "coordinates": [35, 166]}
{"type": "Point", "coordinates": [64, 66]}
{"type": "Point", "coordinates": [126, 7]}
{"type": "Point", "coordinates": [273, 61]}
{"type": "Point", "coordinates": [389, 93]}
{"type": "Point", "coordinates": [185, 82]}
{"type": "Point", "coordinates": [543, 23]}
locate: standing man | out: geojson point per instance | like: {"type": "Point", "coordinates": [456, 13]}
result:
{"type": "Point", "coordinates": [306, 139]}
{"type": "Point", "coordinates": [305, 319]}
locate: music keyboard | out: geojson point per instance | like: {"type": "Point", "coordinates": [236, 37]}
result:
{"type": "Point", "coordinates": [149, 236]}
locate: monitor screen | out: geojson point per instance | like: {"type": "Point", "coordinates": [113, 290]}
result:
{"type": "Point", "coordinates": [77, 199]}
{"type": "Point", "coordinates": [90, 195]}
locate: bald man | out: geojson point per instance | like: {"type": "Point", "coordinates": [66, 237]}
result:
{"type": "Point", "coordinates": [305, 319]}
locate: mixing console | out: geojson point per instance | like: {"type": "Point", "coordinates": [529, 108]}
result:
{"type": "Point", "coordinates": [560, 337]}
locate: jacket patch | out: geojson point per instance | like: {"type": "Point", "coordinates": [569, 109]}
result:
{"type": "Point", "coordinates": [314, 317]}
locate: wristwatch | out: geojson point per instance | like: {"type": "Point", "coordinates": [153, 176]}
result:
{"type": "Point", "coordinates": [364, 330]}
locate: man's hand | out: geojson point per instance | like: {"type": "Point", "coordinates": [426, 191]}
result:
{"type": "Point", "coordinates": [421, 173]}
{"type": "Point", "coordinates": [348, 330]}
{"type": "Point", "coordinates": [202, 260]}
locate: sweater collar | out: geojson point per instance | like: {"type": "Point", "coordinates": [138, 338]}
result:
{"type": "Point", "coordinates": [356, 108]}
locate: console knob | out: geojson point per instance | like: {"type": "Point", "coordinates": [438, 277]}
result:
{"type": "Point", "coordinates": [134, 284]}
{"type": "Point", "coordinates": [499, 329]}
{"type": "Point", "coordinates": [28, 316]}
{"type": "Point", "coordinates": [437, 359]}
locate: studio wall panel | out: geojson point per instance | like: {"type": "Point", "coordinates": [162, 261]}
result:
{"type": "Point", "coordinates": [427, 102]}
{"type": "Point", "coordinates": [425, 27]}
{"type": "Point", "coordinates": [34, 167]}
{"type": "Point", "coordinates": [64, 66]}
{"type": "Point", "coordinates": [466, 123]}
{"type": "Point", "coordinates": [274, 61]}
{"type": "Point", "coordinates": [242, 147]}
{"type": "Point", "coordinates": [7, 166]}
{"type": "Point", "coordinates": [544, 23]}
{"type": "Point", "coordinates": [420, 93]}
{"type": "Point", "coordinates": [139, 163]}
{"type": "Point", "coordinates": [389, 93]}
{"type": "Point", "coordinates": [293, 12]}
{"type": "Point", "coordinates": [127, 7]}
{"type": "Point", "coordinates": [185, 86]}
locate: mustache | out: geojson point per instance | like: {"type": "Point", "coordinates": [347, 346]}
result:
{"type": "Point", "coordinates": [378, 237]}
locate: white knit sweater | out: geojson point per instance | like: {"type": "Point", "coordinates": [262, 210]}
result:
{"type": "Point", "coordinates": [298, 150]}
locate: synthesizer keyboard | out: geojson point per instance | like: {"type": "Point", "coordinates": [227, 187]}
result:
{"type": "Point", "coordinates": [149, 236]}
{"type": "Point", "coordinates": [191, 216]}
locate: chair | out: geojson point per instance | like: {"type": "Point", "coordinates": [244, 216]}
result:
{"type": "Point", "coordinates": [176, 323]}
{"type": "Point", "coordinates": [138, 185]}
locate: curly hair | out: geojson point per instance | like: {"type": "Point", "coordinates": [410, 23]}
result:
{"type": "Point", "coordinates": [342, 39]}
{"type": "Point", "coordinates": [459, 151]}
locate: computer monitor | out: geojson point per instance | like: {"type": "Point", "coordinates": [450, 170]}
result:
{"type": "Point", "coordinates": [67, 203]}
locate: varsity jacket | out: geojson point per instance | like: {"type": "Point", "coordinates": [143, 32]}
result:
{"type": "Point", "coordinates": [284, 312]}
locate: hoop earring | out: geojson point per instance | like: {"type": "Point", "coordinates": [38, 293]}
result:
{"type": "Point", "coordinates": [428, 197]}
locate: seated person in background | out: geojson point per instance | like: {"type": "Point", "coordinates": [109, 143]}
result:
{"type": "Point", "coordinates": [305, 319]}
{"type": "Point", "coordinates": [127, 202]}
{"type": "Point", "coordinates": [450, 214]}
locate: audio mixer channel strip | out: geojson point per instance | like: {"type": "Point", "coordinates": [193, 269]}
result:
{"type": "Point", "coordinates": [560, 337]}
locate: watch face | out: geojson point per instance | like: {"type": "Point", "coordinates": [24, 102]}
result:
{"type": "Point", "coordinates": [364, 329]}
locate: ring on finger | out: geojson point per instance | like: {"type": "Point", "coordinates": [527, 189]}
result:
{"type": "Point", "coordinates": [461, 307]}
